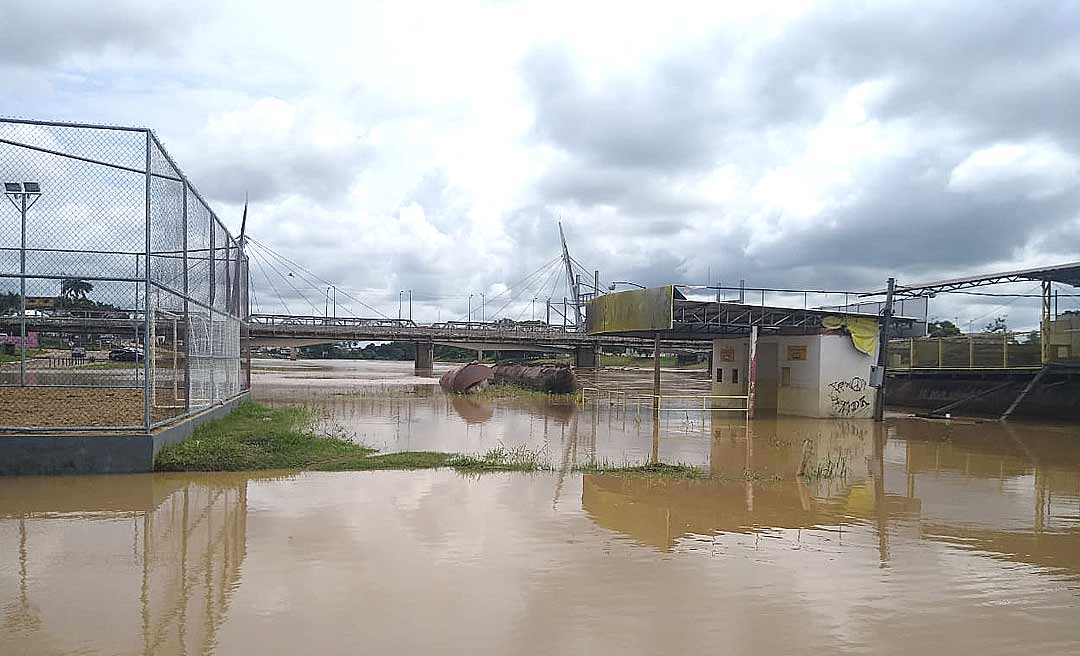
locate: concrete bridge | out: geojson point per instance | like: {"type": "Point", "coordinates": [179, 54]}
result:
{"type": "Point", "coordinates": [291, 331]}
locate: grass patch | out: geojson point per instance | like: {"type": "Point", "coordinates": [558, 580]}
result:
{"type": "Point", "coordinates": [825, 469]}
{"type": "Point", "coordinates": [516, 392]}
{"type": "Point", "coordinates": [404, 460]}
{"type": "Point", "coordinates": [111, 364]}
{"type": "Point", "coordinates": [257, 437]}
{"type": "Point", "coordinates": [658, 469]}
{"type": "Point", "coordinates": [519, 458]}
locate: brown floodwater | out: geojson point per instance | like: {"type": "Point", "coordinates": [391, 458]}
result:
{"type": "Point", "coordinates": [928, 537]}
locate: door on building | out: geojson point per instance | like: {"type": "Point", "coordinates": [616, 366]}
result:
{"type": "Point", "coordinates": [767, 384]}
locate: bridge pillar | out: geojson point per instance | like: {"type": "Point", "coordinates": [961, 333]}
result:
{"type": "Point", "coordinates": [586, 357]}
{"type": "Point", "coordinates": [425, 358]}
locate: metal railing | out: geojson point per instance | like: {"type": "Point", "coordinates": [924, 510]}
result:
{"type": "Point", "coordinates": [621, 399]}
{"type": "Point", "coordinates": [117, 255]}
{"type": "Point", "coordinates": [976, 351]}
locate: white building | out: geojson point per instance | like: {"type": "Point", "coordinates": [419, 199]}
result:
{"type": "Point", "coordinates": [813, 375]}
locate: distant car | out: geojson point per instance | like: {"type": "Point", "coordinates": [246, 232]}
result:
{"type": "Point", "coordinates": [125, 355]}
{"type": "Point", "coordinates": [78, 353]}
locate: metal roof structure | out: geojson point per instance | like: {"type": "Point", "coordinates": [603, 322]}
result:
{"type": "Point", "coordinates": [1068, 274]}
{"type": "Point", "coordinates": [712, 319]}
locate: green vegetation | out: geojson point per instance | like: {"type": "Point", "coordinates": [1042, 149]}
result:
{"type": "Point", "coordinates": [112, 364]}
{"type": "Point", "coordinates": [516, 392]}
{"type": "Point", "coordinates": [257, 437]}
{"type": "Point", "coordinates": [828, 468]}
{"type": "Point", "coordinates": [658, 469]}
{"type": "Point", "coordinates": [32, 353]}
{"type": "Point", "coordinates": [519, 458]}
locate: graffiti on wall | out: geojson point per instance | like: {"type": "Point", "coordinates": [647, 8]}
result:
{"type": "Point", "coordinates": [849, 397]}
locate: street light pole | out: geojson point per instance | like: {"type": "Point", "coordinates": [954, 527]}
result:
{"type": "Point", "coordinates": [22, 295]}
{"type": "Point", "coordinates": [20, 196]}
{"type": "Point", "coordinates": [483, 308]}
{"type": "Point", "coordinates": [534, 309]}
{"type": "Point", "coordinates": [410, 305]}
{"type": "Point", "coordinates": [470, 307]}
{"type": "Point", "coordinates": [400, 294]}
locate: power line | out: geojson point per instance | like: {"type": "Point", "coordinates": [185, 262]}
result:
{"type": "Point", "coordinates": [316, 277]}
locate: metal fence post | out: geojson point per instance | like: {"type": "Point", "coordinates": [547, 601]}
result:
{"type": "Point", "coordinates": [187, 314]}
{"type": "Point", "coordinates": [147, 355]}
{"type": "Point", "coordinates": [210, 314]}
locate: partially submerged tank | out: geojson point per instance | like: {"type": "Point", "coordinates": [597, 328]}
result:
{"type": "Point", "coordinates": [469, 378]}
{"type": "Point", "coordinates": [550, 378]}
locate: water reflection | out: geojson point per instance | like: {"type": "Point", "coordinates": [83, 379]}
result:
{"type": "Point", "coordinates": [157, 555]}
{"type": "Point", "coordinates": [904, 537]}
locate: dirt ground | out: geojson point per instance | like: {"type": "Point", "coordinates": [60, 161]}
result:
{"type": "Point", "coordinates": [59, 406]}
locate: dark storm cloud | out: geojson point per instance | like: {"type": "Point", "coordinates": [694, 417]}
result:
{"type": "Point", "coordinates": [319, 175]}
{"type": "Point", "coordinates": [666, 119]}
{"type": "Point", "coordinates": [47, 31]}
{"type": "Point", "coordinates": [975, 73]}
{"type": "Point", "coordinates": [1000, 70]}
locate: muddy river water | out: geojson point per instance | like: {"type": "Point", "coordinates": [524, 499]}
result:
{"type": "Point", "coordinates": [909, 537]}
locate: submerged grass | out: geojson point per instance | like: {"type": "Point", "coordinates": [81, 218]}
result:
{"type": "Point", "coordinates": [257, 437]}
{"type": "Point", "coordinates": [500, 458]}
{"type": "Point", "coordinates": [516, 392]}
{"type": "Point", "coordinates": [658, 469]}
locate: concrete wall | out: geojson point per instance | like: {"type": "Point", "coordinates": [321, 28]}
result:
{"type": "Point", "coordinates": [100, 453]}
{"type": "Point", "coordinates": [845, 371]}
{"type": "Point", "coordinates": [830, 382]}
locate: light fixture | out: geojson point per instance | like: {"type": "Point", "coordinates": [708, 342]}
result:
{"type": "Point", "coordinates": [12, 188]}
{"type": "Point", "coordinates": [31, 187]}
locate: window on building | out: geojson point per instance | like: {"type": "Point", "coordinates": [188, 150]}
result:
{"type": "Point", "coordinates": [796, 352]}
{"type": "Point", "coordinates": [734, 376]}
{"type": "Point", "coordinates": [719, 375]}
{"type": "Point", "coordinates": [785, 376]}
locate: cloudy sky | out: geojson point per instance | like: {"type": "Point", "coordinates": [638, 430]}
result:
{"type": "Point", "coordinates": [432, 146]}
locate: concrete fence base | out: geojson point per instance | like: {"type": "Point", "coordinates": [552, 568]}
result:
{"type": "Point", "coordinates": [98, 453]}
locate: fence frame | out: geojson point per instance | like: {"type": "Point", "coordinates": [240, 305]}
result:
{"type": "Point", "coordinates": [225, 318]}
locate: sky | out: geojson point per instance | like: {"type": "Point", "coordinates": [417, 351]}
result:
{"type": "Point", "coordinates": [433, 146]}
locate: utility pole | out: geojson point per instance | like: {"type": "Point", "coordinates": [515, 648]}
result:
{"type": "Point", "coordinates": [483, 308]}
{"type": "Point", "coordinates": [410, 305]}
{"type": "Point", "coordinates": [533, 316]}
{"type": "Point", "coordinates": [883, 351]}
{"type": "Point", "coordinates": [470, 307]}
{"type": "Point", "coordinates": [548, 320]}
{"type": "Point", "coordinates": [400, 294]}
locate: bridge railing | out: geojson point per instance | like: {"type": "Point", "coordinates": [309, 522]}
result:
{"type": "Point", "coordinates": [1007, 350]}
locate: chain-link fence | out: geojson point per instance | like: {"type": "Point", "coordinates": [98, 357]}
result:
{"type": "Point", "coordinates": [122, 295]}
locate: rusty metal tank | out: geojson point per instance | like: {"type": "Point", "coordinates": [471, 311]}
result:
{"type": "Point", "coordinates": [468, 378]}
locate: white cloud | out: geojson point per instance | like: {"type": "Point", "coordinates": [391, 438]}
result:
{"type": "Point", "coordinates": [1037, 169]}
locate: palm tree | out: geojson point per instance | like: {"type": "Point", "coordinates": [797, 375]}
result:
{"type": "Point", "coordinates": [75, 289]}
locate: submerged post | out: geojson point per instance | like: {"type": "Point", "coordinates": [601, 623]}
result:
{"type": "Point", "coordinates": [656, 374]}
{"type": "Point", "coordinates": [751, 376]}
{"type": "Point", "coordinates": [883, 350]}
